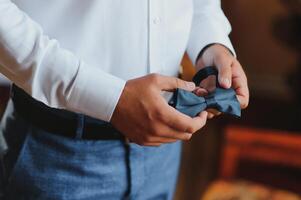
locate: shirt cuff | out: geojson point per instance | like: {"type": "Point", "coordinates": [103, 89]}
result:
{"type": "Point", "coordinates": [95, 93]}
{"type": "Point", "coordinates": [200, 39]}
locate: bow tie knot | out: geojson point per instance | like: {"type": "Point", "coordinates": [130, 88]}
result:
{"type": "Point", "coordinates": [223, 100]}
{"type": "Point", "coordinates": [210, 101]}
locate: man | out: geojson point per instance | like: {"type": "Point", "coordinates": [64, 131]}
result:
{"type": "Point", "coordinates": [90, 76]}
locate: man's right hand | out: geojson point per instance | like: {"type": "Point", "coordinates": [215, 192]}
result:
{"type": "Point", "coordinates": [144, 116]}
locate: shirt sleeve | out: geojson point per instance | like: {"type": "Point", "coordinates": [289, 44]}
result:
{"type": "Point", "coordinates": [209, 25]}
{"type": "Point", "coordinates": [50, 73]}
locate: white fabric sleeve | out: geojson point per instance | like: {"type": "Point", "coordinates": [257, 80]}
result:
{"type": "Point", "coordinates": [49, 73]}
{"type": "Point", "coordinates": [209, 25]}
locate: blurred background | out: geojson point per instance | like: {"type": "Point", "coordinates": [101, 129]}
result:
{"type": "Point", "coordinates": [257, 157]}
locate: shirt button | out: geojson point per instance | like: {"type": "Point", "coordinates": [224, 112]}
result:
{"type": "Point", "coordinates": [157, 20]}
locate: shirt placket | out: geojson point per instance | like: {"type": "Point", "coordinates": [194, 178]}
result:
{"type": "Point", "coordinates": [156, 36]}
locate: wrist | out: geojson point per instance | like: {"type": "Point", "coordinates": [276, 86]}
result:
{"type": "Point", "coordinates": [213, 46]}
{"type": "Point", "coordinates": [203, 51]}
{"type": "Point", "coordinates": [209, 54]}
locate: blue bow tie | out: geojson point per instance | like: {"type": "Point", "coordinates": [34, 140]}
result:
{"type": "Point", "coordinates": [223, 100]}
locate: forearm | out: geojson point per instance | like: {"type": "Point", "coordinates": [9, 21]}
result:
{"type": "Point", "coordinates": [50, 73]}
{"type": "Point", "coordinates": [209, 26]}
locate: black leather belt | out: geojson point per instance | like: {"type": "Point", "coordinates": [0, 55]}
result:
{"type": "Point", "coordinates": [62, 122]}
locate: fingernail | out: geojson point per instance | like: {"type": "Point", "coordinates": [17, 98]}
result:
{"type": "Point", "coordinates": [225, 82]}
{"type": "Point", "coordinates": [190, 85]}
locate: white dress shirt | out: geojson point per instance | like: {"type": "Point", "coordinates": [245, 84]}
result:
{"type": "Point", "coordinates": [78, 54]}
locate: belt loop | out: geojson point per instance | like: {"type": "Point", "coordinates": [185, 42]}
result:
{"type": "Point", "coordinates": [80, 126]}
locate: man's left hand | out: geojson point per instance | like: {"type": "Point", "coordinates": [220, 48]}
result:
{"type": "Point", "coordinates": [231, 74]}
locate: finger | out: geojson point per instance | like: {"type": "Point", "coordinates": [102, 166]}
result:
{"type": "Point", "coordinates": [167, 83]}
{"type": "Point", "coordinates": [210, 115]}
{"type": "Point", "coordinates": [209, 83]}
{"type": "Point", "coordinates": [168, 134]}
{"type": "Point", "coordinates": [201, 120]}
{"type": "Point", "coordinates": [183, 123]}
{"type": "Point", "coordinates": [243, 101]}
{"type": "Point", "coordinates": [201, 92]}
{"type": "Point", "coordinates": [240, 85]}
{"type": "Point", "coordinates": [213, 111]}
{"type": "Point", "coordinates": [223, 64]}
{"type": "Point", "coordinates": [140, 143]}
{"type": "Point", "coordinates": [173, 124]}
{"type": "Point", "coordinates": [151, 144]}
{"type": "Point", "coordinates": [164, 140]}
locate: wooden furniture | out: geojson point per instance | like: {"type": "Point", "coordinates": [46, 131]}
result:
{"type": "Point", "coordinates": [268, 146]}
{"type": "Point", "coordinates": [187, 70]}
{"type": "Point", "coordinates": [272, 147]}
{"type": "Point", "coordinates": [242, 190]}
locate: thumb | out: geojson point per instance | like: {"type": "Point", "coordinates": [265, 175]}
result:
{"type": "Point", "coordinates": [223, 66]}
{"type": "Point", "coordinates": [172, 83]}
